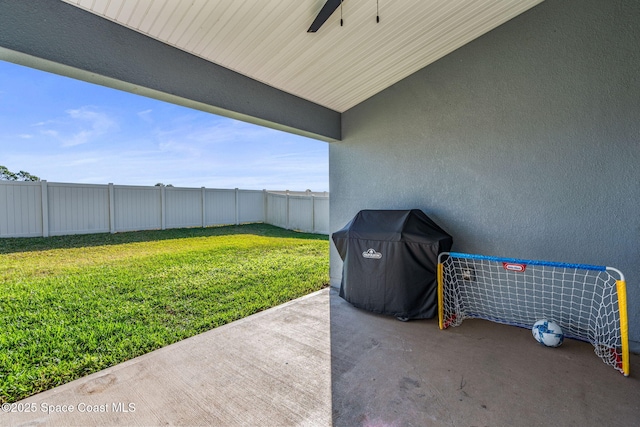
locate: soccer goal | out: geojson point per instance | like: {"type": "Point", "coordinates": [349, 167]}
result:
{"type": "Point", "coordinates": [588, 302]}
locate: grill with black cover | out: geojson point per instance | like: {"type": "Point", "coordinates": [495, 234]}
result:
{"type": "Point", "coordinates": [390, 260]}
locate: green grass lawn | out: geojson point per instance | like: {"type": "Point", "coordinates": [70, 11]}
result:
{"type": "Point", "coordinates": [73, 305]}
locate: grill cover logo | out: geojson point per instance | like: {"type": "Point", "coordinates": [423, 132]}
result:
{"type": "Point", "coordinates": [371, 254]}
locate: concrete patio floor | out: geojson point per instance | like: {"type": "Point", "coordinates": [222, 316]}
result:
{"type": "Point", "coordinates": [286, 367]}
{"type": "Point", "coordinates": [269, 369]}
{"type": "Point", "coordinates": [390, 373]}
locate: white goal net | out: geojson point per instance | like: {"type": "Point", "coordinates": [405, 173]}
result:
{"type": "Point", "coordinates": [587, 301]}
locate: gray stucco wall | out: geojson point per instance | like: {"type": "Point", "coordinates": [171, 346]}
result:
{"type": "Point", "coordinates": [60, 38]}
{"type": "Point", "coordinates": [524, 143]}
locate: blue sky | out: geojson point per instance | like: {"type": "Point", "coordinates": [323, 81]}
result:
{"type": "Point", "coordinates": [65, 130]}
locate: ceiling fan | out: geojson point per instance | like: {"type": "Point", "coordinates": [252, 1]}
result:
{"type": "Point", "coordinates": [327, 10]}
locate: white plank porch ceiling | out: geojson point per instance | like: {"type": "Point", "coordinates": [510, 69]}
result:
{"type": "Point", "coordinates": [337, 67]}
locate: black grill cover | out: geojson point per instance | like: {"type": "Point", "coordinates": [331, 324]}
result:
{"type": "Point", "coordinates": [390, 262]}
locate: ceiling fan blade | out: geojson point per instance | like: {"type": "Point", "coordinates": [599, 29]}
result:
{"type": "Point", "coordinates": [327, 10]}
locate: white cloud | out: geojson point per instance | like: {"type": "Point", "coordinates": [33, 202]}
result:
{"type": "Point", "coordinates": [209, 129]}
{"type": "Point", "coordinates": [99, 124]}
{"type": "Point", "coordinates": [45, 123]}
{"type": "Point", "coordinates": [51, 132]}
{"type": "Point", "coordinates": [85, 161]}
{"type": "Point", "coordinates": [80, 126]}
{"type": "Point", "coordinates": [174, 147]}
{"type": "Point", "coordinates": [146, 115]}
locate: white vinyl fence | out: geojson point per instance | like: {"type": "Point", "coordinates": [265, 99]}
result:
{"type": "Point", "coordinates": [29, 209]}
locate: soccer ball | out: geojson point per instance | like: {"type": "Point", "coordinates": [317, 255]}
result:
{"type": "Point", "coordinates": [548, 333]}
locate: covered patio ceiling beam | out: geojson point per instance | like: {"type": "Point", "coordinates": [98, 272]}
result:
{"type": "Point", "coordinates": [57, 37]}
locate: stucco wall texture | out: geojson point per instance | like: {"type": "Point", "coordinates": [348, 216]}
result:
{"type": "Point", "coordinates": [524, 143]}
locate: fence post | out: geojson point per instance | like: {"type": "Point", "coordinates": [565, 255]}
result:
{"type": "Point", "coordinates": [112, 209]}
{"type": "Point", "coordinates": [265, 206]}
{"type": "Point", "coordinates": [287, 222]}
{"type": "Point", "coordinates": [313, 213]}
{"type": "Point", "coordinates": [163, 219]}
{"type": "Point", "coordinates": [204, 208]}
{"type": "Point", "coordinates": [45, 207]}
{"type": "Point", "coordinates": [237, 207]}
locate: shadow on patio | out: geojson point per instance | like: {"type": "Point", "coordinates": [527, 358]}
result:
{"type": "Point", "coordinates": [284, 366]}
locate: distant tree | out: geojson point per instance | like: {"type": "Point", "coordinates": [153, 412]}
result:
{"type": "Point", "coordinates": [162, 185]}
{"type": "Point", "coordinates": [26, 176]}
{"type": "Point", "coordinates": [7, 175]}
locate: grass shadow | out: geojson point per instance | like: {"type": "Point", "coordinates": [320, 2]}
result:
{"type": "Point", "coordinates": [29, 244]}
